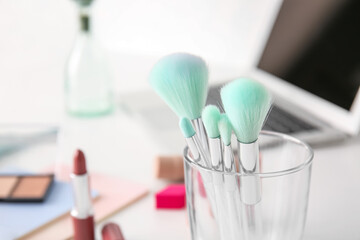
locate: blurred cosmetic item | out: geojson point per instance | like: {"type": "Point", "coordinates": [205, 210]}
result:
{"type": "Point", "coordinates": [14, 137]}
{"type": "Point", "coordinates": [88, 79]}
{"type": "Point", "coordinates": [111, 231]}
{"type": "Point", "coordinates": [169, 168]}
{"type": "Point", "coordinates": [171, 197]}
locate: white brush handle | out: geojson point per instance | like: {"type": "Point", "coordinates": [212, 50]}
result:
{"type": "Point", "coordinates": [229, 166]}
{"type": "Point", "coordinates": [197, 151]}
{"type": "Point", "coordinates": [250, 190]}
{"type": "Point", "coordinates": [229, 163]}
{"type": "Point", "coordinates": [217, 164]}
{"type": "Point", "coordinates": [200, 130]}
{"type": "Point", "coordinates": [249, 166]}
{"type": "Point", "coordinates": [201, 156]}
{"type": "Point", "coordinates": [232, 194]}
{"type": "Point", "coordinates": [194, 151]}
{"type": "Point", "coordinates": [252, 222]}
{"type": "Point", "coordinates": [203, 153]}
{"type": "Point", "coordinates": [215, 153]}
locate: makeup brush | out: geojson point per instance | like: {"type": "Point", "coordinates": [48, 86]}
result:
{"type": "Point", "coordinates": [211, 116]}
{"type": "Point", "coordinates": [199, 155]}
{"type": "Point", "coordinates": [181, 80]}
{"type": "Point", "coordinates": [247, 104]}
{"type": "Point", "coordinates": [231, 187]}
{"type": "Point", "coordinates": [225, 130]}
{"type": "Point", "coordinates": [193, 142]}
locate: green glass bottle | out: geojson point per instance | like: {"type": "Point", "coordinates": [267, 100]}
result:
{"type": "Point", "coordinates": [88, 79]}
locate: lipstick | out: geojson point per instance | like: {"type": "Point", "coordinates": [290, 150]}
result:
{"type": "Point", "coordinates": [82, 212]}
{"type": "Point", "coordinates": [111, 231]}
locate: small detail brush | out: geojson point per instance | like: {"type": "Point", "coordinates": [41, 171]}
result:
{"type": "Point", "coordinates": [181, 80]}
{"type": "Point", "coordinates": [231, 186]}
{"type": "Point", "coordinates": [199, 155]}
{"type": "Point", "coordinates": [225, 130]}
{"type": "Point", "coordinates": [211, 117]}
{"type": "Point", "coordinates": [196, 149]}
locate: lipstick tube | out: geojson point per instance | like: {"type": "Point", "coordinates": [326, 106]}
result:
{"type": "Point", "coordinates": [82, 212]}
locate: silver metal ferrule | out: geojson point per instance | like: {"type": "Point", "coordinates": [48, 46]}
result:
{"type": "Point", "coordinates": [249, 167]}
{"type": "Point", "coordinates": [200, 130]}
{"type": "Point", "coordinates": [82, 199]}
{"type": "Point", "coordinates": [249, 157]}
{"type": "Point", "coordinates": [215, 153]}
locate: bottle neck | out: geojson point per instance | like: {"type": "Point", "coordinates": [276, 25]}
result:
{"type": "Point", "coordinates": [85, 20]}
{"type": "Point", "coordinates": [85, 23]}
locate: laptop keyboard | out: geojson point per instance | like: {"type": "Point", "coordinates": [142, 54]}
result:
{"type": "Point", "coordinates": [281, 121]}
{"type": "Point", "coordinates": [278, 120]}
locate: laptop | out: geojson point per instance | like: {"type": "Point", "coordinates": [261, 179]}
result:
{"type": "Point", "coordinates": [313, 68]}
{"type": "Point", "coordinates": [310, 65]}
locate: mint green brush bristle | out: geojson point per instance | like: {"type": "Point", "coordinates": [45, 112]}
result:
{"type": "Point", "coordinates": [247, 103]}
{"type": "Point", "coordinates": [225, 129]}
{"type": "Point", "coordinates": [186, 127]}
{"type": "Point", "coordinates": [211, 116]}
{"type": "Point", "coordinates": [181, 80]}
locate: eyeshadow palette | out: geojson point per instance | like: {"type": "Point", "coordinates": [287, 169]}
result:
{"type": "Point", "coordinates": [25, 188]}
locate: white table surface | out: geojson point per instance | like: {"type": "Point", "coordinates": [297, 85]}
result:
{"type": "Point", "coordinates": [121, 146]}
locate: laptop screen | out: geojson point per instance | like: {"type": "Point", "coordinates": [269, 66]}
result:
{"type": "Point", "coordinates": [315, 45]}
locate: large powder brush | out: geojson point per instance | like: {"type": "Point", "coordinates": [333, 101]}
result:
{"type": "Point", "coordinates": [181, 80]}
{"type": "Point", "coordinates": [247, 104]}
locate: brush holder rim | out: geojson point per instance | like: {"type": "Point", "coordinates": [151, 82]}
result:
{"type": "Point", "coordinates": [275, 135]}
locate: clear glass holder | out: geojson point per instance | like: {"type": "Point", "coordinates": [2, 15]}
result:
{"type": "Point", "coordinates": [214, 198]}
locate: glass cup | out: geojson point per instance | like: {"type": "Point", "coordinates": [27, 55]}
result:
{"type": "Point", "coordinates": [214, 198]}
